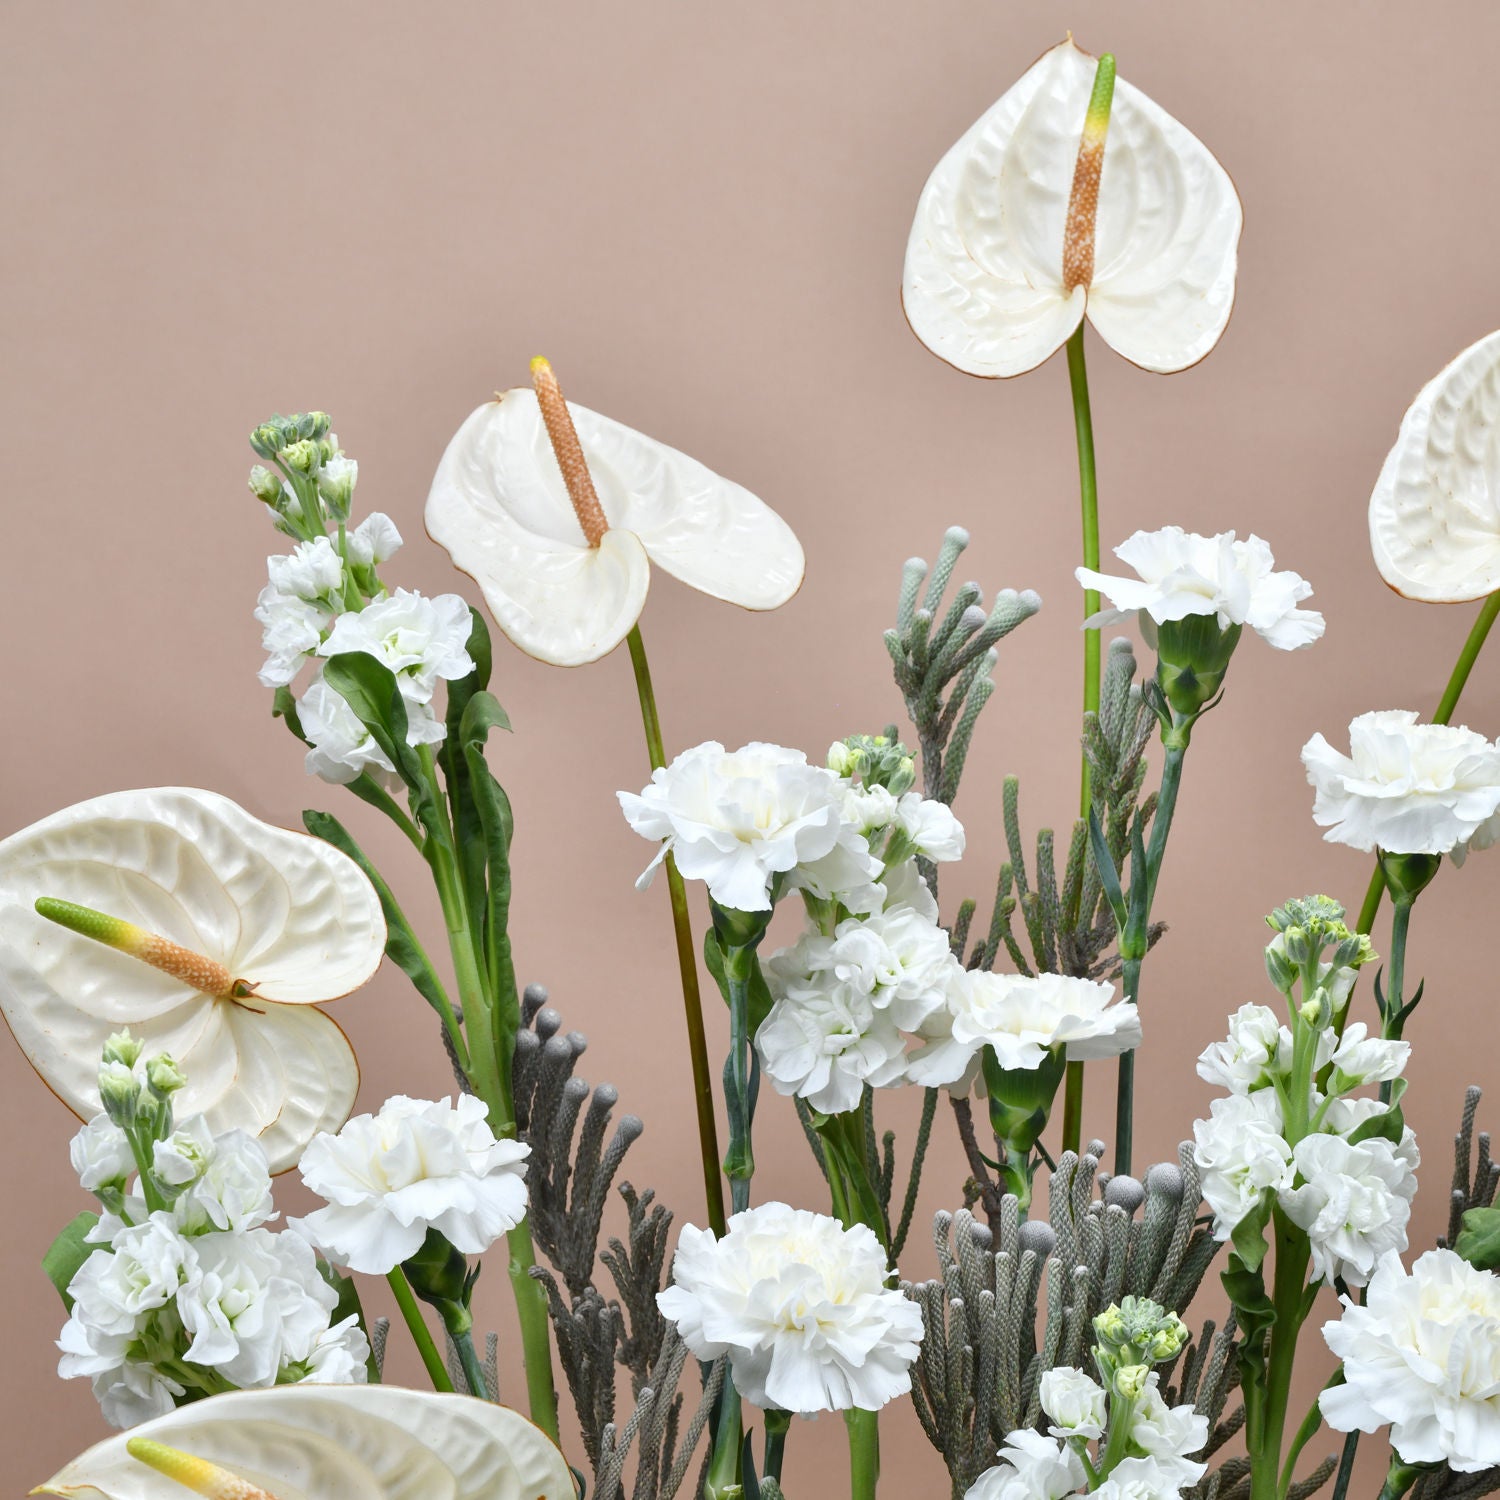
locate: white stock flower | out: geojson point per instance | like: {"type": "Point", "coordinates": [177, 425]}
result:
{"type": "Point", "coordinates": [339, 1355]}
{"type": "Point", "coordinates": [256, 1303]}
{"type": "Point", "coordinates": [1404, 787]}
{"type": "Point", "coordinates": [1149, 1478]}
{"type": "Point", "coordinates": [312, 571]}
{"type": "Point", "coordinates": [1182, 574]}
{"type": "Point", "coordinates": [340, 747]}
{"type": "Point", "coordinates": [1353, 1203]}
{"type": "Point", "coordinates": [421, 640]}
{"type": "Point", "coordinates": [1241, 1153]}
{"type": "Point", "coordinates": [801, 1306]}
{"type": "Point", "coordinates": [225, 1180]}
{"type": "Point", "coordinates": [1169, 1434]}
{"type": "Point", "coordinates": [100, 1154]}
{"type": "Point", "coordinates": [418, 1164]}
{"type": "Point", "coordinates": [374, 541]}
{"type": "Point", "coordinates": [1258, 1047]}
{"type": "Point", "coordinates": [1022, 1017]}
{"type": "Point", "coordinates": [1422, 1354]}
{"type": "Point", "coordinates": [824, 1041]}
{"type": "Point", "coordinates": [1031, 1467]}
{"type": "Point", "coordinates": [931, 827]}
{"type": "Point", "coordinates": [736, 819]}
{"type": "Point", "coordinates": [1362, 1058]}
{"type": "Point", "coordinates": [1076, 1404]}
{"type": "Point", "coordinates": [867, 808]}
{"type": "Point", "coordinates": [142, 1271]}
{"type": "Point", "coordinates": [292, 629]}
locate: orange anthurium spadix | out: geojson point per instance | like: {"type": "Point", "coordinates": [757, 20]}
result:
{"type": "Point", "coordinates": [1074, 196]}
{"type": "Point", "coordinates": [1435, 512]}
{"type": "Point", "coordinates": [558, 514]}
{"type": "Point", "coordinates": [210, 935]}
{"type": "Point", "coordinates": [324, 1442]}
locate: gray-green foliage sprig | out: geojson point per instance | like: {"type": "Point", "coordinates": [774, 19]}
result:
{"type": "Point", "coordinates": [1011, 1304]}
{"type": "Point", "coordinates": [1068, 925]}
{"type": "Point", "coordinates": [942, 665]}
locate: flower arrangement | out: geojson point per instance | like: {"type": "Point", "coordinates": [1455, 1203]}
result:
{"type": "Point", "coordinates": [164, 957]}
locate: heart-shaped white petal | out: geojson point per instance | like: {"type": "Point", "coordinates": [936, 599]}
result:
{"type": "Point", "coordinates": [984, 286]}
{"type": "Point", "coordinates": [1435, 512]}
{"type": "Point", "coordinates": [499, 505]}
{"type": "Point", "coordinates": [283, 911]}
{"type": "Point", "coordinates": [325, 1442]}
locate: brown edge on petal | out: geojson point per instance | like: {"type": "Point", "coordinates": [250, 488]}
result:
{"type": "Point", "coordinates": [1181, 370]}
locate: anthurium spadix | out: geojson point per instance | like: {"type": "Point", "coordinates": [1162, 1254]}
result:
{"type": "Point", "coordinates": [558, 513]}
{"type": "Point", "coordinates": [1073, 196]}
{"type": "Point", "coordinates": [210, 936]}
{"type": "Point", "coordinates": [324, 1442]}
{"type": "Point", "coordinates": [1435, 511]}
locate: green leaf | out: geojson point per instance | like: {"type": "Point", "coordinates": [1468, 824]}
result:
{"type": "Point", "coordinates": [1479, 1239]}
{"type": "Point", "coordinates": [1249, 1236]}
{"type": "Point", "coordinates": [348, 1304]}
{"type": "Point", "coordinates": [1389, 1125]}
{"type": "Point", "coordinates": [369, 687]}
{"type": "Point", "coordinates": [401, 943]}
{"type": "Point", "coordinates": [1254, 1310]}
{"type": "Point", "coordinates": [284, 706]}
{"type": "Point", "coordinates": [67, 1253]}
{"type": "Point", "coordinates": [468, 831]}
{"type": "Point", "coordinates": [1109, 877]}
{"type": "Point", "coordinates": [495, 826]}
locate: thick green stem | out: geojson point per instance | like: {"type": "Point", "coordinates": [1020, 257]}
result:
{"type": "Point", "coordinates": [1457, 681]}
{"type": "Point", "coordinates": [724, 1478]}
{"type": "Point", "coordinates": [778, 1424]}
{"type": "Point", "coordinates": [1125, 1083]}
{"type": "Point", "coordinates": [473, 1372]}
{"type": "Point", "coordinates": [1072, 1117]}
{"type": "Point", "coordinates": [437, 1371]}
{"type": "Point", "coordinates": [687, 960]}
{"type": "Point", "coordinates": [1399, 1478]}
{"type": "Point", "coordinates": [864, 1453]}
{"type": "Point", "coordinates": [739, 1162]}
{"type": "Point", "coordinates": [1288, 1298]}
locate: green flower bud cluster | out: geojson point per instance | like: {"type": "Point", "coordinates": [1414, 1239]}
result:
{"type": "Point", "coordinates": [1313, 944]}
{"type": "Point", "coordinates": [875, 760]}
{"type": "Point", "coordinates": [136, 1093]}
{"type": "Point", "coordinates": [1134, 1334]}
{"type": "Point", "coordinates": [309, 480]}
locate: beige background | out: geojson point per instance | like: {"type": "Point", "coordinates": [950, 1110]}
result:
{"type": "Point", "coordinates": [699, 213]}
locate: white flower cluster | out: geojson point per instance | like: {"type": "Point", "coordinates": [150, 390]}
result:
{"type": "Point", "coordinates": [1184, 574]}
{"type": "Point", "coordinates": [1422, 1354]}
{"type": "Point", "coordinates": [417, 1165]}
{"type": "Point", "coordinates": [801, 1307]}
{"type": "Point", "coordinates": [198, 1295]}
{"type": "Point", "coordinates": [1405, 787]}
{"type": "Point", "coordinates": [1156, 1465]}
{"type": "Point", "coordinates": [1352, 1197]}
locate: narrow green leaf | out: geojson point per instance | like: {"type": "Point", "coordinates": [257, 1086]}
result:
{"type": "Point", "coordinates": [1109, 877]}
{"type": "Point", "coordinates": [496, 823]}
{"type": "Point", "coordinates": [67, 1253]}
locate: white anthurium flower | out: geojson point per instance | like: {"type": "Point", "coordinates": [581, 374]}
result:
{"type": "Point", "coordinates": [1435, 510]}
{"type": "Point", "coordinates": [800, 1305]}
{"type": "Point", "coordinates": [1404, 787]}
{"type": "Point", "coordinates": [210, 935]}
{"type": "Point", "coordinates": [1060, 203]}
{"type": "Point", "coordinates": [1182, 573]}
{"type": "Point", "coordinates": [376, 1442]}
{"type": "Point", "coordinates": [1422, 1355]}
{"type": "Point", "coordinates": [558, 513]}
{"type": "Point", "coordinates": [417, 1165]}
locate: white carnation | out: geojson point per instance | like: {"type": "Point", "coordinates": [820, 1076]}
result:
{"type": "Point", "coordinates": [1241, 1154]}
{"type": "Point", "coordinates": [801, 1306]}
{"type": "Point", "coordinates": [1404, 787]}
{"type": "Point", "coordinates": [1031, 1467]}
{"type": "Point", "coordinates": [417, 1165]}
{"type": "Point", "coordinates": [737, 819]}
{"type": "Point", "coordinates": [1182, 574]}
{"type": "Point", "coordinates": [1422, 1354]}
{"type": "Point", "coordinates": [1353, 1203]}
{"type": "Point", "coordinates": [1076, 1404]}
{"type": "Point", "coordinates": [1258, 1048]}
{"type": "Point", "coordinates": [824, 1041]}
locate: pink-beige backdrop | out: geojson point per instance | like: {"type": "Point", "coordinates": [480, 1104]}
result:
{"type": "Point", "coordinates": [699, 213]}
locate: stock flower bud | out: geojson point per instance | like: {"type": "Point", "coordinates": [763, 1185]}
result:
{"type": "Point", "coordinates": [164, 1076]}
{"type": "Point", "coordinates": [1317, 1009]}
{"type": "Point", "coordinates": [121, 1047]}
{"type": "Point", "coordinates": [1282, 971]}
{"type": "Point", "coordinates": [1131, 1381]}
{"type": "Point", "coordinates": [265, 485]}
{"type": "Point", "coordinates": [119, 1092]}
{"type": "Point", "coordinates": [1137, 1331]}
{"type": "Point", "coordinates": [336, 483]}
{"type": "Point", "coordinates": [302, 456]}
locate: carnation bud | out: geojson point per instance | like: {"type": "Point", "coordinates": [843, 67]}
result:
{"type": "Point", "coordinates": [1408, 875]}
{"type": "Point", "coordinates": [164, 1076]}
{"type": "Point", "coordinates": [439, 1274]}
{"type": "Point", "coordinates": [1192, 657]}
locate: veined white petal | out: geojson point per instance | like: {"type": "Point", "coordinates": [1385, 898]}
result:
{"type": "Point", "coordinates": [281, 910]}
{"type": "Point", "coordinates": [1435, 511]}
{"type": "Point", "coordinates": [983, 285]}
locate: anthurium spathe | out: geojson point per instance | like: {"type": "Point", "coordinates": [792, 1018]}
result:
{"type": "Point", "coordinates": [210, 935]}
{"type": "Point", "coordinates": [1435, 511]}
{"type": "Point", "coordinates": [558, 513]}
{"type": "Point", "coordinates": [376, 1442]}
{"type": "Point", "coordinates": [1074, 195]}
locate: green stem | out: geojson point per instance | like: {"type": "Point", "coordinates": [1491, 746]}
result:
{"type": "Point", "coordinates": [1457, 680]}
{"type": "Point", "coordinates": [1399, 1478]}
{"type": "Point", "coordinates": [777, 1424]}
{"type": "Point", "coordinates": [739, 1162]}
{"type": "Point", "coordinates": [1072, 1117]}
{"type": "Point", "coordinates": [1292, 1256]}
{"type": "Point", "coordinates": [1311, 1424]}
{"type": "Point", "coordinates": [1346, 1466]}
{"type": "Point", "coordinates": [490, 1078]}
{"type": "Point", "coordinates": [864, 1453]}
{"type": "Point", "coordinates": [687, 960]}
{"type": "Point", "coordinates": [724, 1477]}
{"type": "Point", "coordinates": [473, 1371]}
{"type": "Point", "coordinates": [421, 1335]}
{"type": "Point", "coordinates": [1088, 487]}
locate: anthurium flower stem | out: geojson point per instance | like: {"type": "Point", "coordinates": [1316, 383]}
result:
{"type": "Point", "coordinates": [1088, 486]}
{"type": "Point", "coordinates": [687, 959]}
{"type": "Point", "coordinates": [1459, 678]}
{"type": "Point", "coordinates": [421, 1335]}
